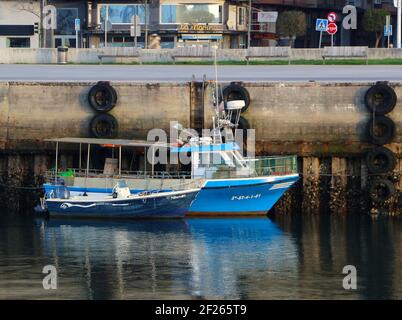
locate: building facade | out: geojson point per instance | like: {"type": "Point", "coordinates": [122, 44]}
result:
{"type": "Point", "coordinates": [18, 22]}
{"type": "Point", "coordinates": [175, 22]}
{"type": "Point", "coordinates": [315, 9]}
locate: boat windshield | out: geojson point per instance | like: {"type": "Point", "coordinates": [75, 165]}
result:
{"type": "Point", "coordinates": [122, 184]}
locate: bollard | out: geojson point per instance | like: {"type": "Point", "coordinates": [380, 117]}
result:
{"type": "Point", "coordinates": [62, 55]}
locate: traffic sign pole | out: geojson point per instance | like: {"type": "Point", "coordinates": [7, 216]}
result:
{"type": "Point", "coordinates": [77, 25]}
{"type": "Point", "coordinates": [319, 43]}
{"type": "Point", "coordinates": [387, 23]}
{"type": "Point", "coordinates": [320, 26]}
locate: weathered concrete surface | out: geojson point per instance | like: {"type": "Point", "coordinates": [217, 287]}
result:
{"type": "Point", "coordinates": [30, 112]}
{"type": "Point", "coordinates": [323, 123]}
{"type": "Point", "coordinates": [312, 118]}
{"type": "Point", "coordinates": [22, 55]}
{"type": "Point", "coordinates": [307, 119]}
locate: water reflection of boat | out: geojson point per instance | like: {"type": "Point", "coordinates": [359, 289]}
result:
{"type": "Point", "coordinates": [230, 255]}
{"type": "Point", "coordinates": [115, 259]}
{"type": "Point", "coordinates": [154, 258]}
{"type": "Point", "coordinates": [152, 226]}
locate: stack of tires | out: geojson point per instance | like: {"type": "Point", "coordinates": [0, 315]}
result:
{"type": "Point", "coordinates": [380, 100]}
{"type": "Point", "coordinates": [102, 97]}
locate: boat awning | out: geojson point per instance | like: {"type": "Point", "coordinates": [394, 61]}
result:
{"type": "Point", "coordinates": [201, 36]}
{"type": "Point", "coordinates": [207, 148]}
{"type": "Point", "coordinates": [111, 142]}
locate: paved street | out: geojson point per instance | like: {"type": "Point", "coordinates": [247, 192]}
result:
{"type": "Point", "coordinates": [180, 73]}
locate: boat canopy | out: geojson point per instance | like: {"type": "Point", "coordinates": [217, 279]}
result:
{"type": "Point", "coordinates": [110, 142]}
{"type": "Point", "coordinates": [207, 148]}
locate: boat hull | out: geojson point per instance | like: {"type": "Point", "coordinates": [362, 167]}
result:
{"type": "Point", "coordinates": [247, 196]}
{"type": "Point", "coordinates": [252, 196]}
{"type": "Point", "coordinates": [163, 205]}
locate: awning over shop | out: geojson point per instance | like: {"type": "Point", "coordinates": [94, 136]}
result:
{"type": "Point", "coordinates": [201, 37]}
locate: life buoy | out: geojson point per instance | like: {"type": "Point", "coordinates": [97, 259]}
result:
{"type": "Point", "coordinates": [102, 97]}
{"type": "Point", "coordinates": [381, 130]}
{"type": "Point", "coordinates": [381, 190]}
{"type": "Point", "coordinates": [380, 160]}
{"type": "Point", "coordinates": [236, 92]}
{"type": "Point", "coordinates": [380, 99]}
{"type": "Point", "coordinates": [104, 126]}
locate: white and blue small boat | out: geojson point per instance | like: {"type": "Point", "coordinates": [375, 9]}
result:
{"type": "Point", "coordinates": [120, 204]}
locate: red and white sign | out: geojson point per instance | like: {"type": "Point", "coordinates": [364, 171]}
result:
{"type": "Point", "coordinates": [332, 17]}
{"type": "Point", "coordinates": [332, 28]}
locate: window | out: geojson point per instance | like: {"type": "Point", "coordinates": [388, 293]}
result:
{"type": "Point", "coordinates": [121, 13]}
{"type": "Point", "coordinates": [191, 13]}
{"type": "Point", "coordinates": [18, 42]}
{"type": "Point", "coordinates": [241, 16]}
{"type": "Point", "coordinates": [66, 21]}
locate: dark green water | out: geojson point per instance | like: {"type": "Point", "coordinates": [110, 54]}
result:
{"type": "Point", "coordinates": [289, 257]}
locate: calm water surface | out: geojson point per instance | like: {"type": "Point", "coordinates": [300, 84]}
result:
{"type": "Point", "coordinates": [289, 257]}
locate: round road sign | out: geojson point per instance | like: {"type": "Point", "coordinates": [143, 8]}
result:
{"type": "Point", "coordinates": [331, 17]}
{"type": "Point", "coordinates": [332, 28]}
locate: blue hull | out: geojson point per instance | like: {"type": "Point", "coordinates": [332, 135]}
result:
{"type": "Point", "coordinates": [226, 196]}
{"type": "Point", "coordinates": [93, 192]}
{"type": "Point", "coordinates": [155, 207]}
{"type": "Point", "coordinates": [242, 195]}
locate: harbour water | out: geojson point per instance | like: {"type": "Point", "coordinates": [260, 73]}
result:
{"type": "Point", "coordinates": [292, 256]}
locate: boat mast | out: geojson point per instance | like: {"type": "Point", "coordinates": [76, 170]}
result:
{"type": "Point", "coordinates": [216, 82]}
{"type": "Point", "coordinates": [217, 138]}
{"type": "Point", "coordinates": [57, 158]}
{"type": "Point", "coordinates": [87, 171]}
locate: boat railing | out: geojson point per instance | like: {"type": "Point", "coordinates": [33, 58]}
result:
{"type": "Point", "coordinates": [93, 173]}
{"type": "Point", "coordinates": [279, 165]}
{"type": "Point", "coordinates": [254, 167]}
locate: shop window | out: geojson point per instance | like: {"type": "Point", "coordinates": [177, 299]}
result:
{"type": "Point", "coordinates": [66, 21]}
{"type": "Point", "coordinates": [191, 13]}
{"type": "Point", "coordinates": [241, 16]}
{"type": "Point", "coordinates": [121, 13]}
{"type": "Point", "coordinates": [18, 42]}
{"type": "Point", "coordinates": [167, 42]}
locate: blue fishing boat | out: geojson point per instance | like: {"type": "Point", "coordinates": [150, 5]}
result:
{"type": "Point", "coordinates": [233, 184]}
{"type": "Point", "coordinates": [120, 204]}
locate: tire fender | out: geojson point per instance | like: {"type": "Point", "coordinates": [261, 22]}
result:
{"type": "Point", "coordinates": [236, 92]}
{"type": "Point", "coordinates": [104, 126]}
{"type": "Point", "coordinates": [102, 97]}
{"type": "Point", "coordinates": [380, 190]}
{"type": "Point", "coordinates": [380, 130]}
{"type": "Point", "coordinates": [380, 160]}
{"type": "Point", "coordinates": [380, 99]}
